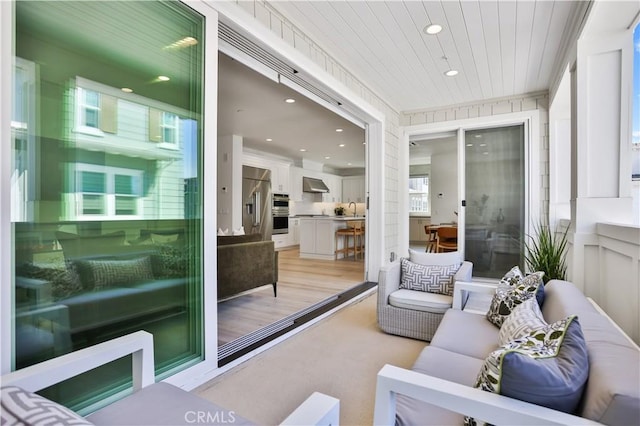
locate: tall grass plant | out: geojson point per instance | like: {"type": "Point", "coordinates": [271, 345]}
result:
{"type": "Point", "coordinates": [547, 252]}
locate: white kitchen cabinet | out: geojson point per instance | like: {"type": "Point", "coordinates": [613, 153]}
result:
{"type": "Point", "coordinates": [307, 236]}
{"type": "Point", "coordinates": [280, 179]}
{"type": "Point", "coordinates": [325, 238]}
{"type": "Point", "coordinates": [281, 240]}
{"type": "Point", "coordinates": [353, 189]}
{"type": "Point", "coordinates": [416, 228]}
{"type": "Point", "coordinates": [294, 230]}
{"type": "Point", "coordinates": [335, 189]}
{"type": "Point", "coordinates": [295, 183]}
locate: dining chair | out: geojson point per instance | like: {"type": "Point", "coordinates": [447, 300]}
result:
{"type": "Point", "coordinates": [432, 234]}
{"type": "Point", "coordinates": [447, 239]}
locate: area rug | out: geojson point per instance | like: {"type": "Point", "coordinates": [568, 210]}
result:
{"type": "Point", "coordinates": [339, 356]}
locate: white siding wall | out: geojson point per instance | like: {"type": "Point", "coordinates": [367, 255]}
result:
{"type": "Point", "coordinates": [288, 32]}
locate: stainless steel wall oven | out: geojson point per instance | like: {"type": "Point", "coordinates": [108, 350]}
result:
{"type": "Point", "coordinates": [280, 213]}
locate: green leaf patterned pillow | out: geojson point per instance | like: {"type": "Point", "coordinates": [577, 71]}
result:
{"type": "Point", "coordinates": [548, 367]}
{"type": "Point", "coordinates": [508, 296]}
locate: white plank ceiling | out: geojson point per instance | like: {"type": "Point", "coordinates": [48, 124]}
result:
{"type": "Point", "coordinates": [500, 48]}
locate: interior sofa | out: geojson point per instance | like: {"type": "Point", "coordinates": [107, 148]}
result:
{"type": "Point", "coordinates": [245, 262]}
{"type": "Point", "coordinates": [102, 282]}
{"type": "Point", "coordinates": [439, 388]}
{"type": "Point", "coordinates": [145, 403]}
{"type": "Point", "coordinates": [410, 313]}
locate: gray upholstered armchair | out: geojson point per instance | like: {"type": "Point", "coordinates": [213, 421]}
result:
{"type": "Point", "coordinates": [412, 313]}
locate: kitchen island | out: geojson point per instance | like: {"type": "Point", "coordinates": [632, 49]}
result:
{"type": "Point", "coordinates": [318, 235]}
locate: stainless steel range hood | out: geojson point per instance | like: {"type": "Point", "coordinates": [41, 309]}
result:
{"type": "Point", "coordinates": [313, 185]}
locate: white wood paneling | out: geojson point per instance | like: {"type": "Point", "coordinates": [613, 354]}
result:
{"type": "Point", "coordinates": [500, 48]}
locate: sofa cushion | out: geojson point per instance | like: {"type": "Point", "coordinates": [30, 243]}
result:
{"type": "Point", "coordinates": [550, 367]}
{"type": "Point", "coordinates": [515, 277]}
{"type": "Point", "coordinates": [74, 246]}
{"type": "Point", "coordinates": [424, 258]}
{"type": "Point", "coordinates": [467, 334]}
{"type": "Point", "coordinates": [508, 296]}
{"type": "Point", "coordinates": [430, 278]}
{"type": "Point", "coordinates": [525, 318]}
{"type": "Point", "coordinates": [420, 301]}
{"type": "Point", "coordinates": [411, 411]}
{"type": "Point", "coordinates": [164, 404]}
{"type": "Point", "coordinates": [564, 299]}
{"type": "Point", "coordinates": [21, 407]}
{"type": "Point", "coordinates": [99, 274]}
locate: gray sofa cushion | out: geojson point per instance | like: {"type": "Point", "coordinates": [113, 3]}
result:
{"type": "Point", "coordinates": [564, 299]}
{"type": "Point", "coordinates": [163, 404]}
{"type": "Point", "coordinates": [412, 412]}
{"type": "Point", "coordinates": [420, 301]}
{"type": "Point", "coordinates": [467, 334]}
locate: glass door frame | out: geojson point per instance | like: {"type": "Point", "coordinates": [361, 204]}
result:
{"type": "Point", "coordinates": [532, 154]}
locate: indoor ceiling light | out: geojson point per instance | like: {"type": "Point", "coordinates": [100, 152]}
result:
{"type": "Point", "coordinates": [485, 153]}
{"type": "Point", "coordinates": [327, 157]}
{"type": "Point", "coordinates": [269, 140]}
{"type": "Point", "coordinates": [341, 145]}
{"type": "Point", "coordinates": [339, 130]}
{"type": "Point", "coordinates": [469, 144]}
{"type": "Point", "coordinates": [289, 100]}
{"type": "Point", "coordinates": [483, 144]}
{"type": "Point", "coordinates": [348, 164]}
{"type": "Point", "coordinates": [127, 90]}
{"type": "Point", "coordinates": [184, 42]}
{"type": "Point", "coordinates": [303, 150]}
{"type": "Point", "coordinates": [451, 73]}
{"type": "Point", "coordinates": [432, 29]}
{"type": "Point", "coordinates": [163, 78]}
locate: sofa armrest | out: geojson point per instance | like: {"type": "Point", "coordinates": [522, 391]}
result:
{"type": "Point", "coordinates": [56, 370]}
{"type": "Point", "coordinates": [462, 290]}
{"type": "Point", "coordinates": [388, 281]}
{"type": "Point", "coordinates": [479, 404]}
{"type": "Point", "coordinates": [37, 291]}
{"type": "Point", "coordinates": [319, 409]}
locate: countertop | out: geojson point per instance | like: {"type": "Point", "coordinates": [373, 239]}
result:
{"type": "Point", "coordinates": [327, 217]}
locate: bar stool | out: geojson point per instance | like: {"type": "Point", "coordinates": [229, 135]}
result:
{"type": "Point", "coordinates": [353, 230]}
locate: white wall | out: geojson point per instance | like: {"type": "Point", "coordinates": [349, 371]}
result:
{"type": "Point", "coordinates": [443, 187]}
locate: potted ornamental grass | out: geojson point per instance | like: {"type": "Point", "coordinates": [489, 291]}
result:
{"type": "Point", "coordinates": [547, 252]}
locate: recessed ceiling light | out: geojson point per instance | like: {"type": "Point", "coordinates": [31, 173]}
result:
{"type": "Point", "coordinates": [451, 73]}
{"type": "Point", "coordinates": [163, 78]}
{"type": "Point", "coordinates": [478, 136]}
{"type": "Point", "coordinates": [289, 100]}
{"type": "Point", "coordinates": [339, 130]}
{"type": "Point", "coordinates": [127, 90]}
{"type": "Point", "coordinates": [364, 143]}
{"type": "Point", "coordinates": [469, 144]}
{"type": "Point", "coordinates": [348, 164]}
{"type": "Point", "coordinates": [432, 29]}
{"type": "Point", "coordinates": [485, 153]}
{"type": "Point", "coordinates": [341, 145]}
{"type": "Point", "coordinates": [483, 144]}
{"type": "Point", "coordinates": [327, 157]}
{"type": "Point", "coordinates": [269, 140]}
{"type": "Point", "coordinates": [303, 150]}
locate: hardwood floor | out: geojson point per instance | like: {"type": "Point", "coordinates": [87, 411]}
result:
{"type": "Point", "coordinates": [301, 283]}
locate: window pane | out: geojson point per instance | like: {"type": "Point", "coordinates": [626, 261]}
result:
{"type": "Point", "coordinates": [106, 248]}
{"type": "Point", "coordinates": [93, 182]}
{"type": "Point", "coordinates": [494, 215]}
{"type": "Point", "coordinates": [124, 184]}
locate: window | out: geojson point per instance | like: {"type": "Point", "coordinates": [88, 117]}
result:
{"type": "Point", "coordinates": [169, 127]}
{"type": "Point", "coordinates": [89, 108]}
{"type": "Point", "coordinates": [104, 191]}
{"type": "Point", "coordinates": [419, 194]}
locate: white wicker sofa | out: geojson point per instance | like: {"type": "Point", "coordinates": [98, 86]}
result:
{"type": "Point", "coordinates": [152, 404]}
{"type": "Point", "coordinates": [438, 390]}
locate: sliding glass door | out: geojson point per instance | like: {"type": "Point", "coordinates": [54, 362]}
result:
{"type": "Point", "coordinates": [495, 199]}
{"type": "Point", "coordinates": [106, 184]}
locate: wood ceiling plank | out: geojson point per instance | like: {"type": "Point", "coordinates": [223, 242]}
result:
{"type": "Point", "coordinates": [507, 13]}
{"type": "Point", "coordinates": [541, 22]}
{"type": "Point", "coordinates": [525, 12]}
{"type": "Point", "coordinates": [559, 18]}
{"type": "Point", "coordinates": [489, 14]}
{"type": "Point", "coordinates": [475, 35]}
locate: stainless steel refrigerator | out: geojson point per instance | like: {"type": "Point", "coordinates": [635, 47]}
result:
{"type": "Point", "coordinates": [256, 199]}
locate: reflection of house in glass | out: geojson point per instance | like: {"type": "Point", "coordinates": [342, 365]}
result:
{"type": "Point", "coordinates": [126, 156]}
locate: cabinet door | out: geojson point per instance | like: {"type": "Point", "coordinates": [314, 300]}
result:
{"type": "Point", "coordinates": [359, 190]}
{"type": "Point", "coordinates": [295, 183]}
{"type": "Point", "coordinates": [294, 231]}
{"type": "Point", "coordinates": [307, 236]}
{"type": "Point", "coordinates": [282, 180]}
{"type": "Point", "coordinates": [325, 237]}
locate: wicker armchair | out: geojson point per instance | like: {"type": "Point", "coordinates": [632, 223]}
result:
{"type": "Point", "coordinates": [407, 321]}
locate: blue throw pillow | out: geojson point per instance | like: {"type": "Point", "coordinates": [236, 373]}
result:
{"type": "Point", "coordinates": [549, 367]}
